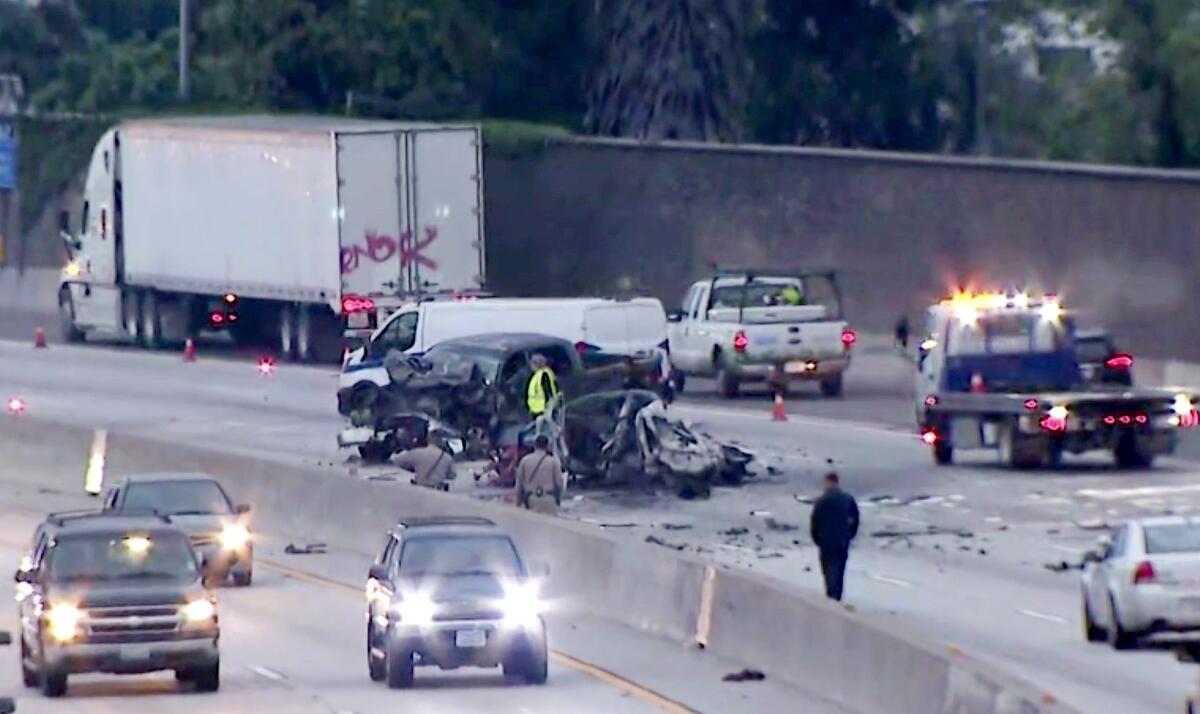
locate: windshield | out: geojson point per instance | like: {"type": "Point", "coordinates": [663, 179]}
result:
{"type": "Point", "coordinates": [1092, 349]}
{"type": "Point", "coordinates": [1177, 538]}
{"type": "Point", "coordinates": [460, 556]}
{"type": "Point", "coordinates": [121, 556]}
{"type": "Point", "coordinates": [177, 498]}
{"type": "Point", "coordinates": [779, 292]}
{"type": "Point", "coordinates": [1013, 334]}
{"type": "Point", "coordinates": [447, 361]}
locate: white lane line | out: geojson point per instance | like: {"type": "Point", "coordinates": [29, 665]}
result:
{"type": "Point", "coordinates": [902, 519]}
{"type": "Point", "coordinates": [267, 673]}
{"type": "Point", "coordinates": [1112, 494]}
{"type": "Point", "coordinates": [1069, 549]}
{"type": "Point", "coordinates": [892, 581]}
{"type": "Point", "coordinates": [1042, 616]}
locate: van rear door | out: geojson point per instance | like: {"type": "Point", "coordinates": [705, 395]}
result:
{"type": "Point", "coordinates": [634, 328]}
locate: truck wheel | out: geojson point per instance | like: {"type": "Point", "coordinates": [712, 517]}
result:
{"type": "Point", "coordinates": [1129, 454]}
{"type": "Point", "coordinates": [287, 332]}
{"type": "Point", "coordinates": [832, 387]}
{"type": "Point", "coordinates": [374, 453]}
{"type": "Point", "coordinates": [376, 666]}
{"type": "Point", "coordinates": [150, 326]}
{"type": "Point", "coordinates": [678, 380]}
{"type": "Point", "coordinates": [54, 683]}
{"type": "Point", "coordinates": [29, 675]}
{"type": "Point", "coordinates": [131, 315]}
{"type": "Point", "coordinates": [943, 453]}
{"type": "Point", "coordinates": [71, 333]}
{"type": "Point", "coordinates": [207, 679]}
{"type": "Point", "coordinates": [305, 349]}
{"type": "Point", "coordinates": [727, 383]}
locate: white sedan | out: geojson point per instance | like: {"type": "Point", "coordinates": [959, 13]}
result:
{"type": "Point", "coordinates": [1143, 581]}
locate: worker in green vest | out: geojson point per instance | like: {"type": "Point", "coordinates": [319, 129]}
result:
{"type": "Point", "coordinates": [792, 296]}
{"type": "Point", "coordinates": [542, 387]}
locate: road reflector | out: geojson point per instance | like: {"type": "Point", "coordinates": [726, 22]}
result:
{"type": "Point", "coordinates": [93, 478]}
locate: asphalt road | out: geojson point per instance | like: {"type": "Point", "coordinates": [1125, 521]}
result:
{"type": "Point", "coordinates": [293, 642]}
{"type": "Point", "coordinates": [958, 552]}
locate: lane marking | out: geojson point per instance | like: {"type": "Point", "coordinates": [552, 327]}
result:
{"type": "Point", "coordinates": [1113, 494]}
{"type": "Point", "coordinates": [892, 581]}
{"type": "Point", "coordinates": [1043, 617]}
{"type": "Point", "coordinates": [267, 673]}
{"type": "Point", "coordinates": [633, 689]}
{"type": "Point", "coordinates": [1069, 549]}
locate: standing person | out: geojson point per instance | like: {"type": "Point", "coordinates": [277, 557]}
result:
{"type": "Point", "coordinates": [432, 467]}
{"type": "Point", "coordinates": [542, 386]}
{"type": "Point", "coordinates": [834, 525]}
{"type": "Point", "coordinates": [540, 479]}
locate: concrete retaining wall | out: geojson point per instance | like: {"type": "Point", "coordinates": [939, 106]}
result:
{"type": "Point", "coordinates": [863, 664]}
{"type": "Point", "coordinates": [35, 291]}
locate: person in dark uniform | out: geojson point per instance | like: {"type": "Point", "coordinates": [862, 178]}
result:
{"type": "Point", "coordinates": [834, 525]}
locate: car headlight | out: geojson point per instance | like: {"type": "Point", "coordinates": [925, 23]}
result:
{"type": "Point", "coordinates": [64, 622]}
{"type": "Point", "coordinates": [234, 536]}
{"type": "Point", "coordinates": [199, 610]}
{"type": "Point", "coordinates": [416, 609]}
{"type": "Point", "coordinates": [521, 605]}
{"type": "Point", "coordinates": [1182, 405]}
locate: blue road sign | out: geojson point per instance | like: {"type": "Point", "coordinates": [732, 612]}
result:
{"type": "Point", "coordinates": [8, 157]}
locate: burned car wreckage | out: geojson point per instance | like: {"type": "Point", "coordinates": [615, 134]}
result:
{"type": "Point", "coordinates": [609, 426]}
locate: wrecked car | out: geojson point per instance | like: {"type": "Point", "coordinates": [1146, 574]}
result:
{"type": "Point", "coordinates": [626, 437]}
{"type": "Point", "coordinates": [474, 388]}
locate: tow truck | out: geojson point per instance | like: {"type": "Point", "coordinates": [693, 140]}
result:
{"type": "Point", "coordinates": [1000, 371]}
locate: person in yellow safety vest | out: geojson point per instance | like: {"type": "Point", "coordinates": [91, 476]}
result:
{"type": "Point", "coordinates": [542, 387]}
{"type": "Point", "coordinates": [791, 295]}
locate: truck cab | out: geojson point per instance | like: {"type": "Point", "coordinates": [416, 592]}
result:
{"type": "Point", "coordinates": [1003, 372]}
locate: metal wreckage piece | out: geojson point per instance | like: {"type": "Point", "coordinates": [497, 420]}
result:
{"type": "Point", "coordinates": [611, 437]}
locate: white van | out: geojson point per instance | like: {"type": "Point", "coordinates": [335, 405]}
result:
{"type": "Point", "coordinates": [636, 327]}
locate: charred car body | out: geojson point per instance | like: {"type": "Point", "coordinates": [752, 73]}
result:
{"type": "Point", "coordinates": [471, 392]}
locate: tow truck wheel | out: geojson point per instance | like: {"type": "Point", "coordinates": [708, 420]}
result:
{"type": "Point", "coordinates": [53, 682]}
{"type": "Point", "coordinates": [207, 679]}
{"type": "Point", "coordinates": [71, 333]}
{"type": "Point", "coordinates": [943, 453]}
{"type": "Point", "coordinates": [399, 667]}
{"type": "Point", "coordinates": [1129, 454]}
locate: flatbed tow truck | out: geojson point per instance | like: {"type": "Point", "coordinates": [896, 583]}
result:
{"type": "Point", "coordinates": [1000, 371]}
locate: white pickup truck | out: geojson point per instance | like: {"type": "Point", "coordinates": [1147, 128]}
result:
{"type": "Point", "coordinates": [748, 326]}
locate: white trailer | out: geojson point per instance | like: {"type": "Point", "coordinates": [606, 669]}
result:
{"type": "Point", "coordinates": [270, 228]}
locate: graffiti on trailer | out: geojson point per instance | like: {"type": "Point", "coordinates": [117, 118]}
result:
{"type": "Point", "coordinates": [380, 248]}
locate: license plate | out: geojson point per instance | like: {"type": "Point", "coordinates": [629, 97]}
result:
{"type": "Point", "coordinates": [470, 638]}
{"type": "Point", "coordinates": [134, 654]}
{"type": "Point", "coordinates": [798, 367]}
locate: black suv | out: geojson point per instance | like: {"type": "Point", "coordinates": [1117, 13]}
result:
{"type": "Point", "coordinates": [114, 593]}
{"type": "Point", "coordinates": [453, 592]}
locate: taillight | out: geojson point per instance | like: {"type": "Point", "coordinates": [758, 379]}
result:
{"type": "Point", "coordinates": [352, 304]}
{"type": "Point", "coordinates": [266, 366]}
{"type": "Point", "coordinates": [1031, 404]}
{"type": "Point", "coordinates": [16, 406]}
{"type": "Point", "coordinates": [1119, 362]}
{"type": "Point", "coordinates": [584, 348]}
{"type": "Point", "coordinates": [931, 400]}
{"type": "Point", "coordinates": [1144, 573]}
{"type": "Point", "coordinates": [217, 318]}
{"type": "Point", "coordinates": [929, 436]}
{"type": "Point", "coordinates": [1055, 419]}
{"type": "Point", "coordinates": [740, 341]}
{"type": "Point", "coordinates": [848, 337]}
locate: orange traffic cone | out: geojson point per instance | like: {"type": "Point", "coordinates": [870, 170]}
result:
{"type": "Point", "coordinates": [780, 411]}
{"type": "Point", "coordinates": [39, 338]}
{"type": "Point", "coordinates": [189, 350]}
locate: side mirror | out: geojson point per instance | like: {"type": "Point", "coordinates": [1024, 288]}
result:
{"type": "Point", "coordinates": [5, 638]}
{"type": "Point", "coordinates": [242, 509]}
{"type": "Point", "coordinates": [675, 316]}
{"type": "Point", "coordinates": [379, 572]}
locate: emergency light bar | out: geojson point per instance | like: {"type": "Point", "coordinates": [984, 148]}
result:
{"type": "Point", "coordinates": [968, 305]}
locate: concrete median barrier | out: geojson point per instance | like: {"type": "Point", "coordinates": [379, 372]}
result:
{"type": "Point", "coordinates": [855, 661]}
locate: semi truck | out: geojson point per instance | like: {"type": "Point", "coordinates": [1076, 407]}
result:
{"type": "Point", "coordinates": [1003, 371]}
{"type": "Point", "coordinates": [280, 231]}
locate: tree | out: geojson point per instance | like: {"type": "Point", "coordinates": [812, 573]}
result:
{"type": "Point", "coordinates": [671, 69]}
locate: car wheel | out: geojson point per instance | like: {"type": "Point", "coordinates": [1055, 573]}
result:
{"type": "Point", "coordinates": [374, 452]}
{"type": "Point", "coordinates": [832, 387]}
{"type": "Point", "coordinates": [207, 679]}
{"type": "Point", "coordinates": [538, 670]}
{"type": "Point", "coordinates": [243, 578]}
{"type": "Point", "coordinates": [53, 682]}
{"type": "Point", "coordinates": [66, 313]}
{"type": "Point", "coordinates": [1092, 631]}
{"type": "Point", "coordinates": [1118, 637]}
{"type": "Point", "coordinates": [399, 667]}
{"type": "Point", "coordinates": [376, 666]}
{"type": "Point", "coordinates": [29, 676]}
{"type": "Point", "coordinates": [184, 675]}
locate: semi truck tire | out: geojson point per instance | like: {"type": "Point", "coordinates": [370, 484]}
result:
{"type": "Point", "coordinates": [71, 333]}
{"type": "Point", "coordinates": [832, 387]}
{"type": "Point", "coordinates": [1016, 450]}
{"type": "Point", "coordinates": [131, 315]}
{"type": "Point", "coordinates": [150, 325]}
{"type": "Point", "coordinates": [287, 332]}
{"type": "Point", "coordinates": [304, 334]}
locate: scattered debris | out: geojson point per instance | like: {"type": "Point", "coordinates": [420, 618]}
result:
{"type": "Point", "coordinates": [746, 675]}
{"type": "Point", "coordinates": [1053, 531]}
{"type": "Point", "coordinates": [1062, 566]}
{"type": "Point", "coordinates": [780, 526]}
{"type": "Point", "coordinates": [795, 542]}
{"type": "Point", "coordinates": [659, 541]}
{"type": "Point", "coordinates": [929, 531]}
{"type": "Point", "coordinates": [761, 514]}
{"type": "Point", "coordinates": [804, 499]}
{"type": "Point", "coordinates": [677, 526]}
{"type": "Point", "coordinates": [734, 532]}
{"type": "Point", "coordinates": [309, 549]}
{"type": "Point", "coordinates": [983, 551]}
{"type": "Point", "coordinates": [1093, 524]}
{"type": "Point", "coordinates": [771, 470]}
